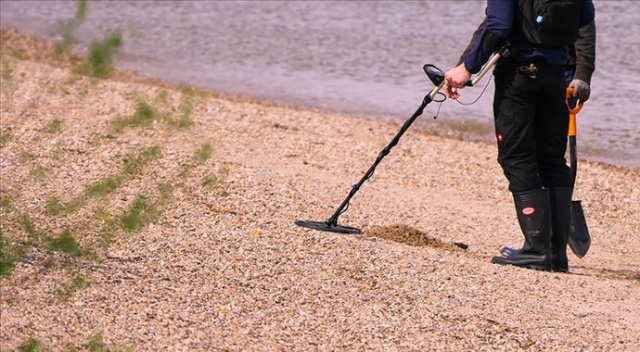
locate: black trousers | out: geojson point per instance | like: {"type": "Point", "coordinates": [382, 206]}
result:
{"type": "Point", "coordinates": [531, 122]}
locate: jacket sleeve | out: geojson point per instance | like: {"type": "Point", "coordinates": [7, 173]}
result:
{"type": "Point", "coordinates": [474, 38]}
{"type": "Point", "coordinates": [585, 52]}
{"type": "Point", "coordinates": [496, 27]}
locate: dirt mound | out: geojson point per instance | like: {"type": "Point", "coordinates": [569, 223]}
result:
{"type": "Point", "coordinates": [412, 236]}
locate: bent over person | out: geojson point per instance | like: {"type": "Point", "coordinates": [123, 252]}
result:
{"type": "Point", "coordinates": [531, 118]}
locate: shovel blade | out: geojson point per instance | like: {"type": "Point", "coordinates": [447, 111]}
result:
{"type": "Point", "coordinates": [579, 239]}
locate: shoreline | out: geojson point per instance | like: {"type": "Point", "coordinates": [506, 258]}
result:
{"type": "Point", "coordinates": [144, 216]}
{"type": "Point", "coordinates": [473, 131]}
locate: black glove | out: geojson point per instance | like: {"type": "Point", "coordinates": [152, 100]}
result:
{"type": "Point", "coordinates": [581, 90]}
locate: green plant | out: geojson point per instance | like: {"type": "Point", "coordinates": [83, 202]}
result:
{"type": "Point", "coordinates": [7, 257]}
{"type": "Point", "coordinates": [39, 173]}
{"type": "Point", "coordinates": [163, 97]}
{"type": "Point", "coordinates": [166, 193]}
{"type": "Point", "coordinates": [108, 225]}
{"type": "Point", "coordinates": [100, 56]}
{"type": "Point", "coordinates": [28, 226]}
{"type": "Point", "coordinates": [65, 243]}
{"type": "Point", "coordinates": [55, 207]}
{"type": "Point", "coordinates": [132, 164]}
{"type": "Point", "coordinates": [6, 203]}
{"type": "Point", "coordinates": [103, 187]}
{"type": "Point", "coordinates": [140, 213]}
{"type": "Point", "coordinates": [67, 28]}
{"type": "Point", "coordinates": [5, 137]}
{"type": "Point", "coordinates": [6, 72]}
{"type": "Point", "coordinates": [68, 288]}
{"type": "Point", "coordinates": [54, 126]}
{"type": "Point", "coordinates": [215, 180]}
{"type": "Point", "coordinates": [204, 153]}
{"type": "Point", "coordinates": [96, 343]}
{"type": "Point", "coordinates": [185, 120]}
{"type": "Point", "coordinates": [30, 345]}
{"type": "Point", "coordinates": [144, 115]}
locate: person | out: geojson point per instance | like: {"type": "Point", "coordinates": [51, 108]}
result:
{"type": "Point", "coordinates": [578, 73]}
{"type": "Point", "coordinates": [531, 121]}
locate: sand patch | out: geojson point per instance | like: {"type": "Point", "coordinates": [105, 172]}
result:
{"type": "Point", "coordinates": [413, 237]}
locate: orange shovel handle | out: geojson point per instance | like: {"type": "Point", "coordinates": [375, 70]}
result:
{"type": "Point", "coordinates": [572, 112]}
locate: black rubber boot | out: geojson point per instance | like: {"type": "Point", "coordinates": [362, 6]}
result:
{"type": "Point", "coordinates": [534, 215]}
{"type": "Point", "coordinates": [560, 212]}
{"type": "Point", "coordinates": [561, 217]}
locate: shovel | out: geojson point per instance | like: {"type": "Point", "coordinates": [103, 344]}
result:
{"type": "Point", "coordinates": [579, 239]}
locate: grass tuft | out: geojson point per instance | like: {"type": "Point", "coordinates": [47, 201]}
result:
{"type": "Point", "coordinates": [133, 164]}
{"type": "Point", "coordinates": [6, 203]}
{"type": "Point", "coordinates": [204, 153]}
{"type": "Point", "coordinates": [103, 187]}
{"type": "Point", "coordinates": [5, 137]}
{"type": "Point", "coordinates": [55, 207]}
{"type": "Point", "coordinates": [28, 226]}
{"type": "Point", "coordinates": [30, 345]}
{"type": "Point", "coordinates": [98, 62]}
{"type": "Point", "coordinates": [7, 258]}
{"type": "Point", "coordinates": [66, 243]}
{"type": "Point", "coordinates": [67, 29]}
{"type": "Point", "coordinates": [54, 127]}
{"type": "Point", "coordinates": [140, 213]}
{"type": "Point", "coordinates": [144, 115]}
{"type": "Point", "coordinates": [215, 180]}
{"type": "Point", "coordinates": [67, 289]}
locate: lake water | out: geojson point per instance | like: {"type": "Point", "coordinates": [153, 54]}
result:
{"type": "Point", "coordinates": [357, 57]}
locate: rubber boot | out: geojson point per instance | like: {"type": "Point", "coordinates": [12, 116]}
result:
{"type": "Point", "coordinates": [560, 212]}
{"type": "Point", "coordinates": [561, 217]}
{"type": "Point", "coordinates": [534, 215]}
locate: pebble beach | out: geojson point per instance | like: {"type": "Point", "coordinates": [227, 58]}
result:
{"type": "Point", "coordinates": [140, 215]}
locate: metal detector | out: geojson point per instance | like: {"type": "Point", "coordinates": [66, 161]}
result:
{"type": "Point", "coordinates": [437, 78]}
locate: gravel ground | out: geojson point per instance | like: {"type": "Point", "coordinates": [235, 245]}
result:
{"type": "Point", "coordinates": [193, 247]}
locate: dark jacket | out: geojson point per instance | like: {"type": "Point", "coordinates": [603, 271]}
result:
{"type": "Point", "coordinates": [582, 56]}
{"type": "Point", "coordinates": [498, 26]}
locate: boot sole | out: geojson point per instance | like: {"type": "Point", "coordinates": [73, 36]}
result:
{"type": "Point", "coordinates": [504, 261]}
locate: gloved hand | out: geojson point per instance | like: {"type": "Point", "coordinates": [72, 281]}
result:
{"type": "Point", "coordinates": [581, 89]}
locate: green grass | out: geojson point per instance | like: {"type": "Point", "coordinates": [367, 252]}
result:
{"type": "Point", "coordinates": [143, 115]}
{"type": "Point", "coordinates": [54, 127]}
{"type": "Point", "coordinates": [108, 226]}
{"type": "Point", "coordinates": [215, 180]}
{"type": "Point", "coordinates": [204, 153]}
{"type": "Point", "coordinates": [99, 59]}
{"type": "Point", "coordinates": [67, 29]}
{"type": "Point", "coordinates": [6, 203]}
{"type": "Point", "coordinates": [30, 345]}
{"type": "Point", "coordinates": [5, 137]}
{"type": "Point", "coordinates": [67, 289]}
{"type": "Point", "coordinates": [103, 187]}
{"type": "Point", "coordinates": [40, 173]}
{"type": "Point", "coordinates": [8, 257]}
{"type": "Point", "coordinates": [133, 164]}
{"type": "Point", "coordinates": [96, 343]}
{"type": "Point", "coordinates": [28, 226]}
{"type": "Point", "coordinates": [185, 120]}
{"type": "Point", "coordinates": [6, 71]}
{"type": "Point", "coordinates": [140, 213]}
{"type": "Point", "coordinates": [65, 243]}
{"type": "Point", "coordinates": [55, 207]}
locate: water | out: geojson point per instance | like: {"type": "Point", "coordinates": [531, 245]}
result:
{"type": "Point", "coordinates": [357, 57]}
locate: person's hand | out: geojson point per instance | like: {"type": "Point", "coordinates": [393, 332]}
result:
{"type": "Point", "coordinates": [455, 79]}
{"type": "Point", "coordinates": [581, 90]}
